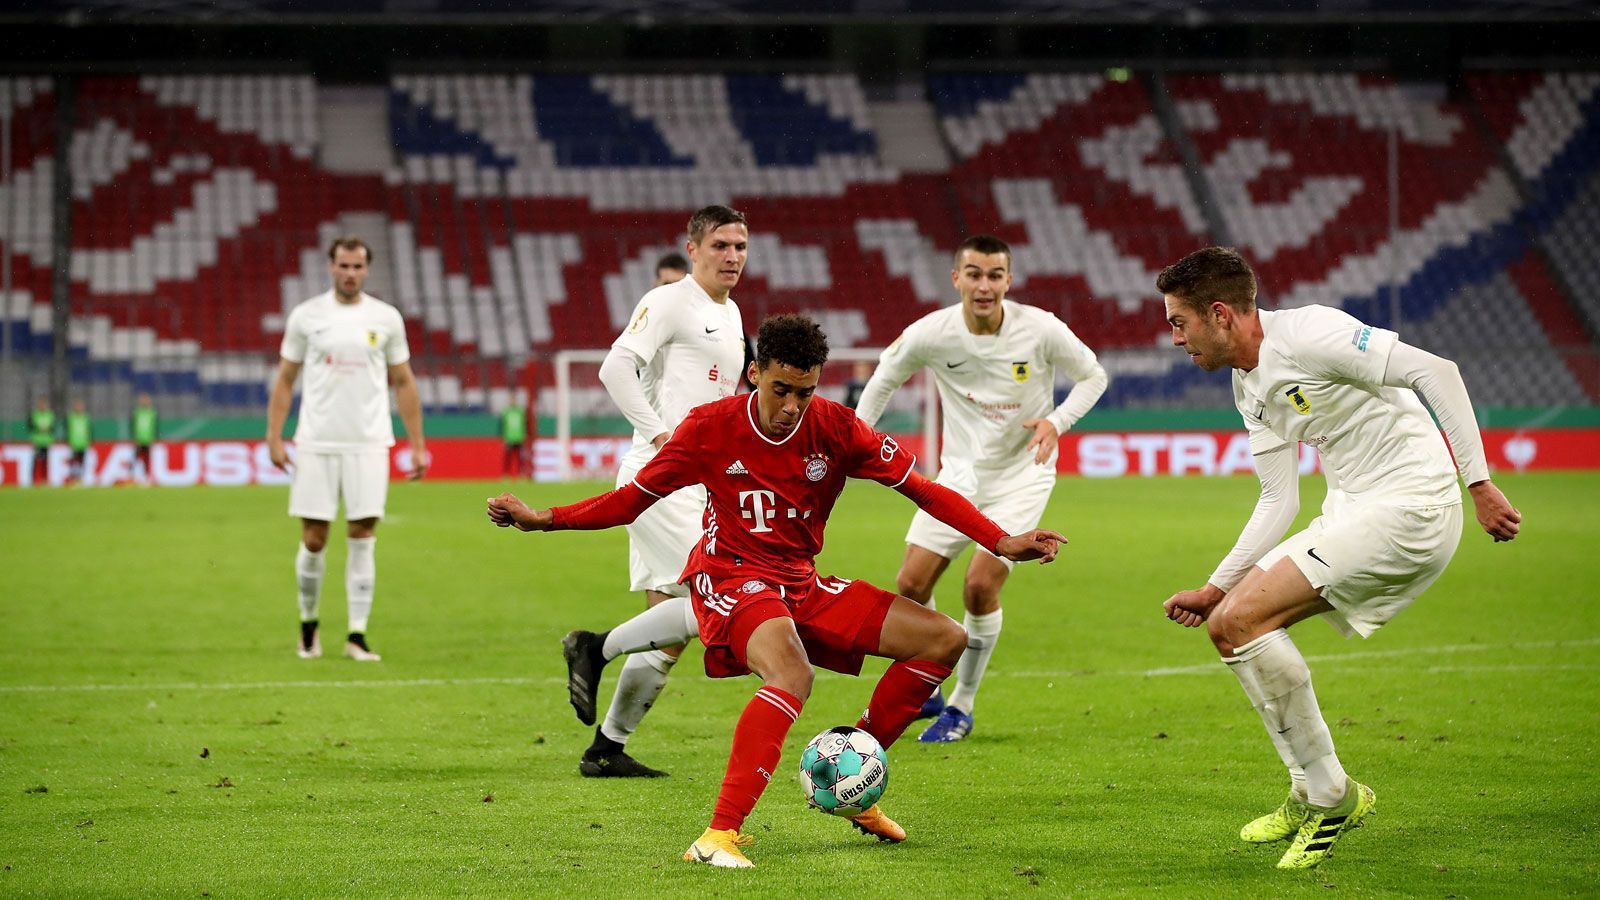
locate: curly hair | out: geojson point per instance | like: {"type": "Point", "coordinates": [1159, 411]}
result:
{"type": "Point", "coordinates": [791, 340]}
{"type": "Point", "coordinates": [1211, 275]}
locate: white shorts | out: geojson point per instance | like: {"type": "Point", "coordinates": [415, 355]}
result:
{"type": "Point", "coordinates": [1371, 560]}
{"type": "Point", "coordinates": [1014, 498]}
{"type": "Point", "coordinates": [361, 476]}
{"type": "Point", "coordinates": [659, 541]}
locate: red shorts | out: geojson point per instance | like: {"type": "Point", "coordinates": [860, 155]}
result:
{"type": "Point", "coordinates": [839, 621]}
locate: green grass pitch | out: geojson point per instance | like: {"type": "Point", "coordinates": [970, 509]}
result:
{"type": "Point", "coordinates": [158, 735]}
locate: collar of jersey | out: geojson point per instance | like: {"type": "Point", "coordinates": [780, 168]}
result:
{"type": "Point", "coordinates": [750, 412]}
{"type": "Point", "coordinates": [695, 290]}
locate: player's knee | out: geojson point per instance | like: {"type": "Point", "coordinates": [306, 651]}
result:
{"type": "Point", "coordinates": [913, 588]}
{"type": "Point", "coordinates": [314, 539]}
{"type": "Point", "coordinates": [949, 642]}
{"type": "Point", "coordinates": [982, 595]}
{"type": "Point", "coordinates": [795, 679]}
{"type": "Point", "coordinates": [1223, 629]}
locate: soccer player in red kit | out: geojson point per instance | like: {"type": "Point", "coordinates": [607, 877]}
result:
{"type": "Point", "coordinates": [773, 462]}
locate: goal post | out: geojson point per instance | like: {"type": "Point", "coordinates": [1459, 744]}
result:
{"type": "Point", "coordinates": [583, 409]}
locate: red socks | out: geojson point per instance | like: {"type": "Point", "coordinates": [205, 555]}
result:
{"type": "Point", "coordinates": [758, 738]}
{"type": "Point", "coordinates": [898, 698]}
{"type": "Point", "coordinates": [757, 744]}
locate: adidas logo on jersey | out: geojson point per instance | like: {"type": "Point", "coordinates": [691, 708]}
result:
{"type": "Point", "coordinates": [737, 468]}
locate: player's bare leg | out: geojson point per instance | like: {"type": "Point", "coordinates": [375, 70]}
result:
{"type": "Point", "coordinates": [919, 572]}
{"type": "Point", "coordinates": [360, 576]}
{"type": "Point", "coordinates": [1248, 628]}
{"type": "Point", "coordinates": [640, 683]}
{"type": "Point", "coordinates": [774, 652]}
{"type": "Point", "coordinates": [309, 566]}
{"type": "Point", "coordinates": [925, 646]}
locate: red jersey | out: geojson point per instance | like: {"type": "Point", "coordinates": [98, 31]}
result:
{"type": "Point", "coordinates": [768, 501]}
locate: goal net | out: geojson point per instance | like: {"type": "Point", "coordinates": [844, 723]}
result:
{"type": "Point", "coordinates": [591, 435]}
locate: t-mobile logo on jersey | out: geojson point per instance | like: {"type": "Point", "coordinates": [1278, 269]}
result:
{"type": "Point", "coordinates": [757, 506]}
{"type": "Point", "coordinates": [760, 507]}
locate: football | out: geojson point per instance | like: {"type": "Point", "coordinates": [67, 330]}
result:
{"type": "Point", "coordinates": [844, 771]}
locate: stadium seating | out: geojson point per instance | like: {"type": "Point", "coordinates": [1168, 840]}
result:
{"type": "Point", "coordinates": [525, 214]}
{"type": "Point", "coordinates": [26, 211]}
{"type": "Point", "coordinates": [512, 181]}
{"type": "Point", "coordinates": [193, 197]}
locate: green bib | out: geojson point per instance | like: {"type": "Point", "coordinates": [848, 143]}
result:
{"type": "Point", "coordinates": [78, 431]}
{"type": "Point", "coordinates": [42, 427]}
{"type": "Point", "coordinates": [144, 425]}
{"type": "Point", "coordinates": [514, 425]}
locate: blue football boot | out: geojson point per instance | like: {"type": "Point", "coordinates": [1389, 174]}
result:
{"type": "Point", "coordinates": [951, 726]}
{"type": "Point", "coordinates": [933, 705]}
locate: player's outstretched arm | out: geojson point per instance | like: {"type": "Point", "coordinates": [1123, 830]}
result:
{"type": "Point", "coordinates": [958, 512]}
{"type": "Point", "coordinates": [1191, 608]}
{"type": "Point", "coordinates": [618, 507]}
{"type": "Point", "coordinates": [1498, 517]}
{"type": "Point", "coordinates": [507, 511]}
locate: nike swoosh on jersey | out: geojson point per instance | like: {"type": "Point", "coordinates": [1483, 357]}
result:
{"type": "Point", "coordinates": [711, 330]}
{"type": "Point", "coordinates": [1312, 552]}
{"type": "Point", "coordinates": [955, 364]}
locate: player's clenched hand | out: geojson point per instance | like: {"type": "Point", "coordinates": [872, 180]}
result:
{"type": "Point", "coordinates": [1045, 441]}
{"type": "Point", "coordinates": [1190, 608]}
{"type": "Point", "coordinates": [1495, 513]}
{"type": "Point", "coordinates": [1036, 544]}
{"type": "Point", "coordinates": [507, 511]}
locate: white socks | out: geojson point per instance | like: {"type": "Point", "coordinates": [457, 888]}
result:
{"type": "Point", "coordinates": [667, 624]}
{"type": "Point", "coordinates": [983, 632]}
{"type": "Point", "coordinates": [360, 571]}
{"type": "Point", "coordinates": [308, 569]}
{"type": "Point", "coordinates": [1275, 678]}
{"type": "Point", "coordinates": [643, 676]}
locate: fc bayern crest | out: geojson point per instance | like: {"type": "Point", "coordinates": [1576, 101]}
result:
{"type": "Point", "coordinates": [817, 466]}
{"type": "Point", "coordinates": [753, 587]}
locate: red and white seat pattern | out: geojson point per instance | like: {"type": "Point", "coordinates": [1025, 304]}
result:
{"type": "Point", "coordinates": [525, 213]}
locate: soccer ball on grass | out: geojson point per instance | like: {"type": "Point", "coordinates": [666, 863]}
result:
{"type": "Point", "coordinates": [844, 771]}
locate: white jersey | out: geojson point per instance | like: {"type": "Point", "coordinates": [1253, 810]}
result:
{"type": "Point", "coordinates": [988, 384]}
{"type": "Point", "coordinates": [692, 348]}
{"type": "Point", "coordinates": [346, 350]}
{"type": "Point", "coordinates": [1319, 380]}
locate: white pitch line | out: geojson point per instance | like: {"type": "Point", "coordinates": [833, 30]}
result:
{"type": "Point", "coordinates": [1204, 669]}
{"type": "Point", "coordinates": [1215, 667]}
{"type": "Point", "coordinates": [259, 685]}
